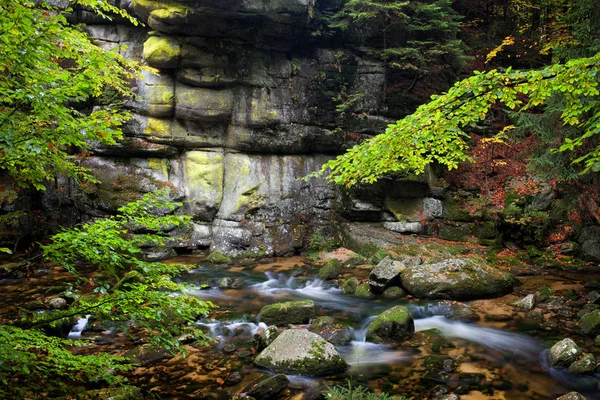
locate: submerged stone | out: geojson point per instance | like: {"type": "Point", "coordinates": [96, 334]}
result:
{"type": "Point", "coordinates": [393, 325]}
{"type": "Point", "coordinates": [268, 388]}
{"type": "Point", "coordinates": [289, 312]}
{"type": "Point", "coordinates": [216, 257]}
{"type": "Point", "coordinates": [363, 291]}
{"type": "Point", "coordinates": [300, 352]}
{"type": "Point", "coordinates": [350, 285]}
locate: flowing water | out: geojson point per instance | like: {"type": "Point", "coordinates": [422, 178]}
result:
{"type": "Point", "coordinates": [475, 360]}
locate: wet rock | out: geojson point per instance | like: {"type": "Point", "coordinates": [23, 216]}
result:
{"type": "Point", "coordinates": [563, 353]}
{"type": "Point", "coordinates": [456, 279]}
{"type": "Point", "coordinates": [216, 257]}
{"type": "Point", "coordinates": [229, 348]}
{"type": "Point", "coordinates": [593, 297]}
{"type": "Point", "coordinates": [126, 392]}
{"type": "Point", "coordinates": [584, 366]}
{"type": "Point", "coordinates": [289, 312]}
{"type": "Point", "coordinates": [393, 325]}
{"type": "Point", "coordinates": [268, 388]}
{"type": "Point", "coordinates": [385, 274]}
{"type": "Point", "coordinates": [267, 337]}
{"type": "Point", "coordinates": [394, 292]}
{"type": "Point", "coordinates": [298, 351]}
{"type": "Point", "coordinates": [57, 303]}
{"type": "Point", "coordinates": [233, 379]}
{"type": "Point", "coordinates": [232, 283]}
{"type": "Point", "coordinates": [592, 285]}
{"type": "Point", "coordinates": [589, 324]}
{"type": "Point", "coordinates": [363, 291]}
{"type": "Point", "coordinates": [336, 334]}
{"type": "Point", "coordinates": [527, 303]}
{"type": "Point", "coordinates": [571, 396]}
{"type": "Point", "coordinates": [332, 269]}
{"type": "Point", "coordinates": [350, 285]}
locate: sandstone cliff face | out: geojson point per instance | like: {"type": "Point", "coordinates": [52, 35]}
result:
{"type": "Point", "coordinates": [250, 96]}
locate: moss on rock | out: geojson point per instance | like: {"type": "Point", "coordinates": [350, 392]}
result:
{"type": "Point", "coordinates": [331, 269]}
{"type": "Point", "coordinates": [589, 324]}
{"type": "Point", "coordinates": [216, 257]}
{"type": "Point", "coordinates": [393, 325]}
{"type": "Point", "coordinates": [162, 51]}
{"type": "Point", "coordinates": [289, 312]}
{"type": "Point", "coordinates": [363, 291]}
{"type": "Point", "coordinates": [350, 285]}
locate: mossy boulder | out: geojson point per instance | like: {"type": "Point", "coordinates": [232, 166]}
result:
{"type": "Point", "coordinates": [216, 257]}
{"type": "Point", "coordinates": [393, 325]}
{"type": "Point", "coordinates": [162, 51]}
{"type": "Point", "coordinates": [457, 279]}
{"type": "Point", "coordinates": [563, 353]}
{"type": "Point", "coordinates": [589, 324]}
{"type": "Point", "coordinates": [394, 292]}
{"type": "Point", "coordinates": [363, 291]}
{"type": "Point", "coordinates": [584, 366]}
{"type": "Point", "coordinates": [332, 269]}
{"type": "Point", "coordinates": [300, 352]}
{"type": "Point", "coordinates": [289, 312]}
{"type": "Point", "coordinates": [350, 285]}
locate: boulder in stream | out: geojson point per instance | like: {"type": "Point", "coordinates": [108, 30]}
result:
{"type": "Point", "coordinates": [267, 337]}
{"type": "Point", "coordinates": [563, 353]}
{"type": "Point", "coordinates": [393, 325]}
{"type": "Point", "coordinates": [456, 279]}
{"type": "Point", "coordinates": [300, 352]}
{"type": "Point", "coordinates": [527, 303]}
{"type": "Point", "coordinates": [589, 324]}
{"type": "Point", "coordinates": [350, 285]}
{"type": "Point", "coordinates": [584, 366]}
{"type": "Point", "coordinates": [289, 312]}
{"type": "Point", "coordinates": [332, 269]}
{"type": "Point", "coordinates": [385, 274]}
{"type": "Point", "coordinates": [335, 333]}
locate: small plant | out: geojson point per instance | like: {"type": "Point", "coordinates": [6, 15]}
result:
{"type": "Point", "coordinates": [356, 393]}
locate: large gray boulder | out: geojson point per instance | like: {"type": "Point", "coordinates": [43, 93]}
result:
{"type": "Point", "coordinates": [563, 353]}
{"type": "Point", "coordinates": [456, 279]}
{"type": "Point", "coordinates": [393, 325]}
{"type": "Point", "coordinates": [300, 352]}
{"type": "Point", "coordinates": [385, 274]}
{"type": "Point", "coordinates": [289, 312]}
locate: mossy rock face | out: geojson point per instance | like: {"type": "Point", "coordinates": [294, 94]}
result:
{"type": "Point", "coordinates": [162, 51]}
{"type": "Point", "coordinates": [332, 269]}
{"type": "Point", "coordinates": [300, 352]}
{"type": "Point", "coordinates": [457, 279]}
{"type": "Point", "coordinates": [393, 325]}
{"type": "Point", "coordinates": [289, 312]}
{"type": "Point", "coordinates": [459, 232]}
{"type": "Point", "coordinates": [563, 353]}
{"type": "Point", "coordinates": [589, 324]}
{"type": "Point", "coordinates": [364, 291]}
{"type": "Point", "coordinates": [200, 104]}
{"type": "Point", "coordinates": [350, 285]}
{"type": "Point", "coordinates": [216, 257]}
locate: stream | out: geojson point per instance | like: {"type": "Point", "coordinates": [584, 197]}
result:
{"type": "Point", "coordinates": [480, 360]}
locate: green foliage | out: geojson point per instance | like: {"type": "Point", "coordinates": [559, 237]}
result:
{"type": "Point", "coordinates": [416, 35]}
{"type": "Point", "coordinates": [435, 132]}
{"type": "Point", "coordinates": [29, 358]}
{"type": "Point", "coordinates": [356, 393]}
{"type": "Point", "coordinates": [51, 71]}
{"type": "Point", "coordinates": [139, 298]}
